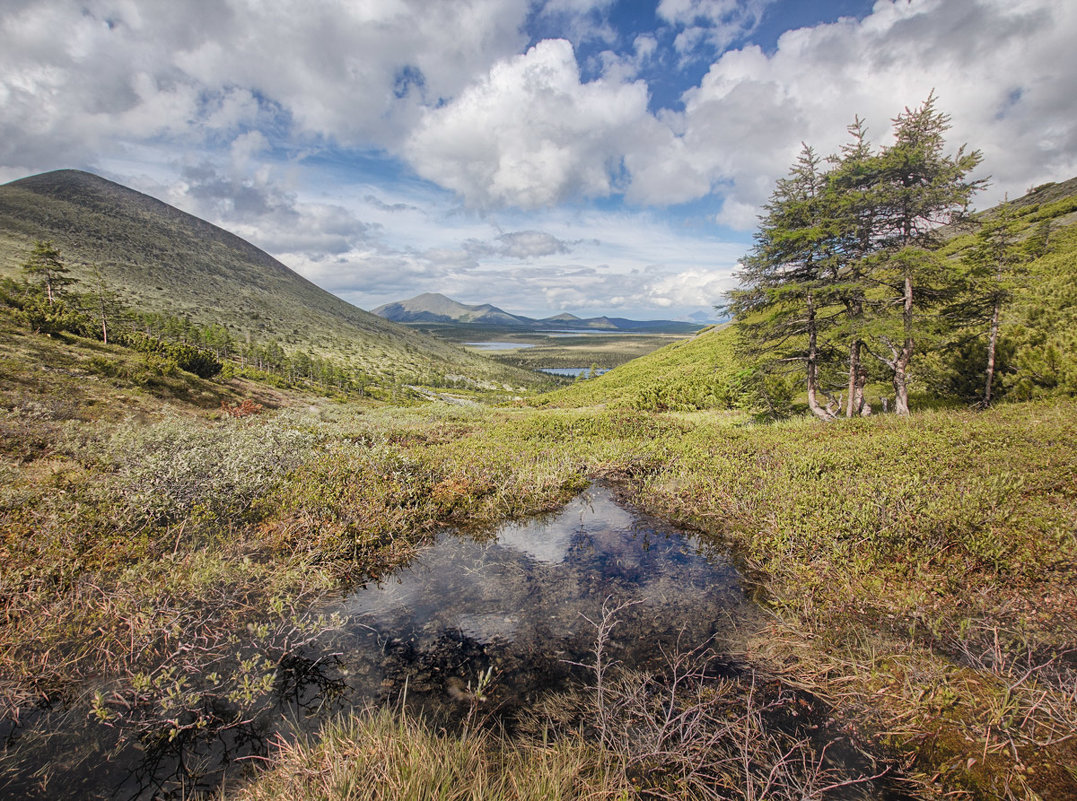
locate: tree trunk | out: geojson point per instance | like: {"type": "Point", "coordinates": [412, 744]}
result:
{"type": "Point", "coordinates": [856, 390]}
{"type": "Point", "coordinates": [862, 405]}
{"type": "Point", "coordinates": [813, 367]}
{"type": "Point", "coordinates": [992, 342]}
{"type": "Point", "coordinates": [904, 356]}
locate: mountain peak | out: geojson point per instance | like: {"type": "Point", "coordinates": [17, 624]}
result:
{"type": "Point", "coordinates": [432, 307]}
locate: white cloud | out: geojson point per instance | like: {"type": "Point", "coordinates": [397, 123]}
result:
{"type": "Point", "coordinates": [530, 134]}
{"type": "Point", "coordinates": [690, 288]}
{"type": "Point", "coordinates": [715, 23]}
{"type": "Point", "coordinates": [77, 80]}
{"type": "Point", "coordinates": [519, 245]}
{"type": "Point", "coordinates": [1000, 68]}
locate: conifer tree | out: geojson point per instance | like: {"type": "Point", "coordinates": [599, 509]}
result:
{"type": "Point", "coordinates": [851, 183]}
{"type": "Point", "coordinates": [105, 303]}
{"type": "Point", "coordinates": [994, 261]}
{"type": "Point", "coordinates": [842, 260]}
{"type": "Point", "coordinates": [917, 189]}
{"type": "Point", "coordinates": [46, 267]}
{"type": "Point", "coordinates": [786, 301]}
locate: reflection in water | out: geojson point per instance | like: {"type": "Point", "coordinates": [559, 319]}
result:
{"type": "Point", "coordinates": [523, 604]}
{"type": "Point", "coordinates": [520, 603]}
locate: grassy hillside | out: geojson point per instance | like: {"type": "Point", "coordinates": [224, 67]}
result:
{"type": "Point", "coordinates": [696, 373]}
{"type": "Point", "coordinates": [158, 258]}
{"type": "Point", "coordinates": [1038, 332]}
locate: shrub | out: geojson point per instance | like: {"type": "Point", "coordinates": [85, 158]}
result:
{"type": "Point", "coordinates": [200, 362]}
{"type": "Point", "coordinates": [172, 469]}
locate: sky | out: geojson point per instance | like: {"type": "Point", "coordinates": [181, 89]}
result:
{"type": "Point", "coordinates": [588, 156]}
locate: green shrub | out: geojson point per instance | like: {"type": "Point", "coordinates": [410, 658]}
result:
{"type": "Point", "coordinates": [187, 357]}
{"type": "Point", "coordinates": [168, 470]}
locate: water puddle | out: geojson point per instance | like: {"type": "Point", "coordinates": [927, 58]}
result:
{"type": "Point", "coordinates": [518, 607]}
{"type": "Point", "coordinates": [524, 602]}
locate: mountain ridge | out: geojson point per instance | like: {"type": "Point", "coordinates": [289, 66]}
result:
{"type": "Point", "coordinates": [433, 307]}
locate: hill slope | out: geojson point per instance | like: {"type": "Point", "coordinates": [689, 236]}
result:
{"type": "Point", "coordinates": [159, 258]}
{"type": "Point", "coordinates": [696, 373]}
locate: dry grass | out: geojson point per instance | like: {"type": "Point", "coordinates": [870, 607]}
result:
{"type": "Point", "coordinates": [380, 754]}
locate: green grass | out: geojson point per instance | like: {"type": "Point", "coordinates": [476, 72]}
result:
{"type": "Point", "coordinates": [696, 373]}
{"type": "Point", "coordinates": [920, 571]}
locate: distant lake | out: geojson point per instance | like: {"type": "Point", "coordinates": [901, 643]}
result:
{"type": "Point", "coordinates": [499, 345]}
{"type": "Point", "coordinates": [592, 332]}
{"type": "Point", "coordinates": [572, 372]}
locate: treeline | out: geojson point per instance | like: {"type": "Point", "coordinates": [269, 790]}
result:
{"type": "Point", "coordinates": [847, 285]}
{"type": "Point", "coordinates": [46, 303]}
{"type": "Point", "coordinates": [266, 361]}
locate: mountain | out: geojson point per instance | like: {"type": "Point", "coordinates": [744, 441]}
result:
{"type": "Point", "coordinates": [160, 259]}
{"type": "Point", "coordinates": [431, 307]}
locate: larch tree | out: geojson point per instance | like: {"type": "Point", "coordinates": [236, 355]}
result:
{"type": "Point", "coordinates": [918, 188]}
{"type": "Point", "coordinates": [843, 259]}
{"type": "Point", "coordinates": [856, 229]}
{"type": "Point", "coordinates": [993, 263]}
{"type": "Point", "coordinates": [105, 303]}
{"type": "Point", "coordinates": [786, 304]}
{"type": "Point", "coordinates": [46, 267]}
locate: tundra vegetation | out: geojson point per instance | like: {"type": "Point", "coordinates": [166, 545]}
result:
{"type": "Point", "coordinates": [168, 538]}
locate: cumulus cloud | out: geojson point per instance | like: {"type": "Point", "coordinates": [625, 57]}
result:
{"type": "Point", "coordinates": [80, 78]}
{"type": "Point", "coordinates": [689, 288]}
{"type": "Point", "coordinates": [530, 133]}
{"type": "Point", "coordinates": [1000, 68]}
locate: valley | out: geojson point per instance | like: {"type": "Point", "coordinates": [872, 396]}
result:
{"type": "Point", "coordinates": [883, 603]}
{"type": "Point", "coordinates": [538, 400]}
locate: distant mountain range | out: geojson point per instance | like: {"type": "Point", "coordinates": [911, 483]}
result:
{"type": "Point", "coordinates": [431, 307]}
{"type": "Point", "coordinates": [161, 259]}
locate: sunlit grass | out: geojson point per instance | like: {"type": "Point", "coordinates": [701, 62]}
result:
{"type": "Point", "coordinates": [379, 754]}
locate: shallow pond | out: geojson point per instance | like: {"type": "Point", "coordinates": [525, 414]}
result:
{"type": "Point", "coordinates": [519, 605]}
{"type": "Point", "coordinates": [524, 603]}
